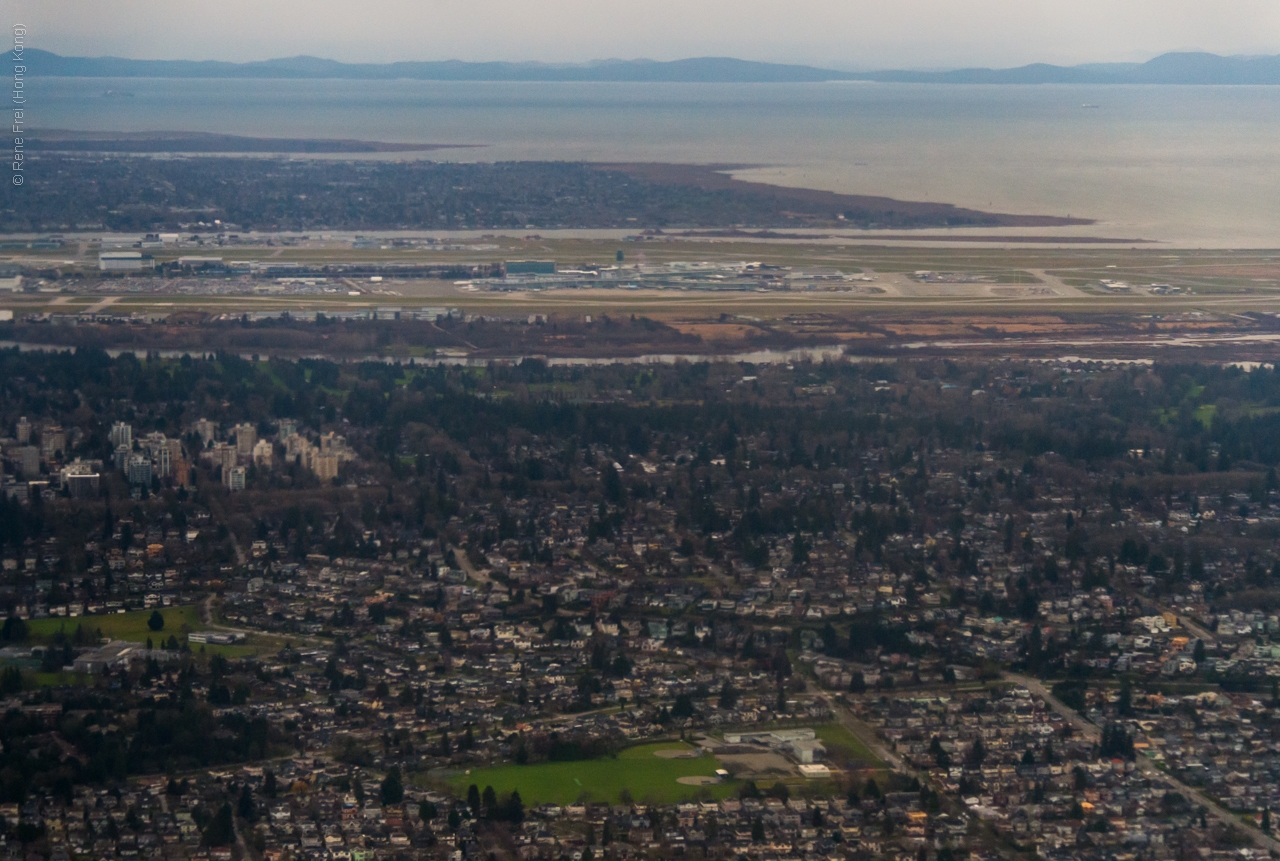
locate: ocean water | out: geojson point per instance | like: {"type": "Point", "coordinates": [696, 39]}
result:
{"type": "Point", "coordinates": [1187, 166]}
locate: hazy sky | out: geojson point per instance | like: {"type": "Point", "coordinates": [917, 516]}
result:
{"type": "Point", "coordinates": [855, 34]}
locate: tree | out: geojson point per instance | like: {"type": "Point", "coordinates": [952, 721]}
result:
{"type": "Point", "coordinates": [221, 829]}
{"type": "Point", "coordinates": [1116, 743]}
{"type": "Point", "coordinates": [621, 666]}
{"type": "Point", "coordinates": [515, 808]}
{"type": "Point", "coordinates": [940, 755]}
{"type": "Point", "coordinates": [219, 666]}
{"type": "Point", "coordinates": [1125, 706]}
{"type": "Point", "coordinates": [799, 550]}
{"type": "Point", "coordinates": [10, 680]}
{"type": "Point", "coordinates": [426, 810]}
{"type": "Point", "coordinates": [728, 696]}
{"type": "Point", "coordinates": [246, 807]}
{"type": "Point", "coordinates": [14, 630]}
{"type": "Point", "coordinates": [156, 622]}
{"type": "Point", "coordinates": [1198, 653]}
{"type": "Point", "coordinates": [977, 753]}
{"type": "Point", "coordinates": [1072, 694]}
{"type": "Point", "coordinates": [757, 830]}
{"type": "Point", "coordinates": [1196, 569]}
{"type": "Point", "coordinates": [455, 819]}
{"type": "Point", "coordinates": [392, 786]}
{"type": "Point", "coordinates": [489, 799]}
{"type": "Point", "coordinates": [473, 799]}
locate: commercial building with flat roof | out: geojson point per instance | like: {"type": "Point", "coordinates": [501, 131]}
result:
{"type": "Point", "coordinates": [530, 267]}
{"type": "Point", "coordinates": [124, 261]}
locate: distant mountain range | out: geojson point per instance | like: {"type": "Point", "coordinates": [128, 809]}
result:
{"type": "Point", "coordinates": [1173, 68]}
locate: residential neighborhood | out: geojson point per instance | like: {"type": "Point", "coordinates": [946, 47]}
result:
{"type": "Point", "coordinates": [301, 610]}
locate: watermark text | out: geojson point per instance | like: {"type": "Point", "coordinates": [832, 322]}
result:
{"type": "Point", "coordinates": [19, 102]}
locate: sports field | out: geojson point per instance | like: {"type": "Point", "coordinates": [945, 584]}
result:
{"type": "Point", "coordinates": [178, 621]}
{"type": "Point", "coordinates": [647, 777]}
{"type": "Point", "coordinates": [843, 746]}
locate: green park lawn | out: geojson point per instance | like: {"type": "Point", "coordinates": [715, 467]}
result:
{"type": "Point", "coordinates": [646, 777]}
{"type": "Point", "coordinates": [53, 680]}
{"type": "Point", "coordinates": [123, 626]}
{"type": "Point", "coordinates": [839, 740]}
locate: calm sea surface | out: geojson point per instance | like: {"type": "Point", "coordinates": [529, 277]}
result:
{"type": "Point", "coordinates": [1192, 166]}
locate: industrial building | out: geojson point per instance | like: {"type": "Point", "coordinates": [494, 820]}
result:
{"type": "Point", "coordinates": [531, 267]}
{"type": "Point", "coordinates": [124, 261]}
{"type": "Point", "coordinates": [115, 654]}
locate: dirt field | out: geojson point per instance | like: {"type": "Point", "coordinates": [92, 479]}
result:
{"type": "Point", "coordinates": [718, 331]}
{"type": "Point", "coordinates": [764, 764]}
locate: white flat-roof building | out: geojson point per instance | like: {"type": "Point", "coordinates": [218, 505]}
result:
{"type": "Point", "coordinates": [200, 262]}
{"type": "Point", "coordinates": [215, 638]}
{"type": "Point", "coordinates": [117, 653]}
{"type": "Point", "coordinates": [124, 261]}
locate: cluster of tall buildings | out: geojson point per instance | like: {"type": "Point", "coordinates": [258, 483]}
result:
{"type": "Point", "coordinates": [324, 458]}
{"type": "Point", "coordinates": [35, 457]}
{"type": "Point", "coordinates": [243, 448]}
{"type": "Point", "coordinates": [30, 447]}
{"type": "Point", "coordinates": [30, 452]}
{"type": "Point", "coordinates": [230, 457]}
{"type": "Point", "coordinates": [154, 456]}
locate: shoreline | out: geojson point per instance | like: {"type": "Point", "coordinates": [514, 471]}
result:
{"type": "Point", "coordinates": [714, 187]}
{"type": "Point", "coordinates": [716, 177]}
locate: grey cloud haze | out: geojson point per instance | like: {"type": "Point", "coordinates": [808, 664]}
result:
{"type": "Point", "coordinates": [851, 34]}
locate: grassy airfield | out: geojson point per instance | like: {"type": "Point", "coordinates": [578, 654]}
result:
{"type": "Point", "coordinates": [1015, 278]}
